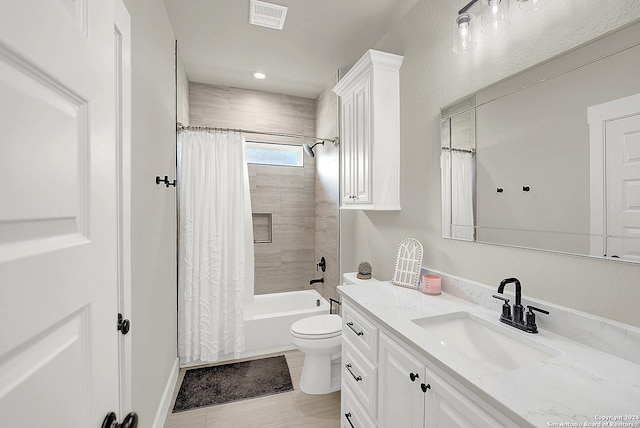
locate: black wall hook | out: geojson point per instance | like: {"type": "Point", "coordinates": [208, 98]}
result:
{"type": "Point", "coordinates": [525, 188]}
{"type": "Point", "coordinates": [165, 180]}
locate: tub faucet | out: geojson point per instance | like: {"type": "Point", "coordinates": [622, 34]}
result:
{"type": "Point", "coordinates": [313, 281]}
{"type": "Point", "coordinates": [517, 320]}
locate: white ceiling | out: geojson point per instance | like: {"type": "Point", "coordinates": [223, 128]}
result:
{"type": "Point", "coordinates": [219, 46]}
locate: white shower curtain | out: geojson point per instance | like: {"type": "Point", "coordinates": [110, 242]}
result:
{"type": "Point", "coordinates": [458, 182]}
{"type": "Point", "coordinates": [215, 267]}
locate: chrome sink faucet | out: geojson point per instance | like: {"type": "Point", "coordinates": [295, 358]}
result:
{"type": "Point", "coordinates": [517, 320]}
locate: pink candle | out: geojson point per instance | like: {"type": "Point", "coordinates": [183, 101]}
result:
{"type": "Point", "coordinates": [431, 284]}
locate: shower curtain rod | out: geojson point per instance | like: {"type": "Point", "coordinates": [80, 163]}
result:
{"type": "Point", "coordinates": [453, 149]}
{"type": "Point", "coordinates": [181, 127]}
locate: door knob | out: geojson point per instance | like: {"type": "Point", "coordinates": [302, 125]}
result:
{"type": "Point", "coordinates": [129, 421]}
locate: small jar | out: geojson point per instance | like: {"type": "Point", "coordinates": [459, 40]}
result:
{"type": "Point", "coordinates": [431, 284]}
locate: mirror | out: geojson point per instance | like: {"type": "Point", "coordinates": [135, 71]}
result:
{"type": "Point", "coordinates": [550, 158]}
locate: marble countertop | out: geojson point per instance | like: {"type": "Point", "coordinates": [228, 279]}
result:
{"type": "Point", "coordinates": [581, 386]}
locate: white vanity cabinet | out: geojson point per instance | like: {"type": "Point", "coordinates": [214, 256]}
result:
{"type": "Point", "coordinates": [370, 133]}
{"type": "Point", "coordinates": [389, 385]}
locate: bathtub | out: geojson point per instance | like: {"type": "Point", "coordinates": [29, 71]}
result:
{"type": "Point", "coordinates": [268, 328]}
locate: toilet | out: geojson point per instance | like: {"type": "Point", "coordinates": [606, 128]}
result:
{"type": "Point", "coordinates": [320, 338]}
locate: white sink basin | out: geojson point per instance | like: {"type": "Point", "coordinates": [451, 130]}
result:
{"type": "Point", "coordinates": [499, 347]}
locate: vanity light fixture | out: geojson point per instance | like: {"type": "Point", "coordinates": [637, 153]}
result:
{"type": "Point", "coordinates": [494, 19]}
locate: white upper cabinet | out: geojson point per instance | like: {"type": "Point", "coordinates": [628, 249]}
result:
{"type": "Point", "coordinates": [370, 133]}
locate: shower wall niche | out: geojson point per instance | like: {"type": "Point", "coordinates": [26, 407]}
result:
{"type": "Point", "coordinates": [288, 262]}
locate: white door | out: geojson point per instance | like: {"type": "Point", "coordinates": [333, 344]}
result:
{"type": "Point", "coordinates": [622, 144]}
{"type": "Point", "coordinates": [400, 397]}
{"type": "Point", "coordinates": [614, 160]}
{"type": "Point", "coordinates": [58, 337]}
{"type": "Point", "coordinates": [122, 45]}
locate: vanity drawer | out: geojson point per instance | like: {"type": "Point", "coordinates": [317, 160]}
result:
{"type": "Point", "coordinates": [362, 332]}
{"type": "Point", "coordinates": [360, 375]}
{"type": "Point", "coordinates": [352, 415]}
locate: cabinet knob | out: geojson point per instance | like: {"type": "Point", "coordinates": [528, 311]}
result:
{"type": "Point", "coordinates": [413, 376]}
{"type": "Point", "coordinates": [425, 387]}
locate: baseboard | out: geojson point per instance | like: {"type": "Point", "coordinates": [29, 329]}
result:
{"type": "Point", "coordinates": [161, 414]}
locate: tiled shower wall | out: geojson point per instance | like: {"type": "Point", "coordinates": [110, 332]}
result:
{"type": "Point", "coordinates": [288, 262]}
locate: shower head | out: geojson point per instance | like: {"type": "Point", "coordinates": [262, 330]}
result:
{"type": "Point", "coordinates": [309, 149]}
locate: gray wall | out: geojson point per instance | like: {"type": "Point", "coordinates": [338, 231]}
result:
{"type": "Point", "coordinates": [288, 262]}
{"type": "Point", "coordinates": [182, 104]}
{"type": "Point", "coordinates": [327, 188]}
{"type": "Point", "coordinates": [432, 77]}
{"type": "Point", "coordinates": [153, 216]}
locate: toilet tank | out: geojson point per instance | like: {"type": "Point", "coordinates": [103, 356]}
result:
{"type": "Point", "coordinates": [352, 278]}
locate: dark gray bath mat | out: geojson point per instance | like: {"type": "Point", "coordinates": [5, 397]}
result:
{"type": "Point", "coordinates": [209, 386]}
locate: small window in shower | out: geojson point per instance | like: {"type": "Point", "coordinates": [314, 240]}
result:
{"type": "Point", "coordinates": [274, 154]}
{"type": "Point", "coordinates": [262, 228]}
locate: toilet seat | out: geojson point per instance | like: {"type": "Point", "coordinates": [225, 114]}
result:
{"type": "Point", "coordinates": [317, 327]}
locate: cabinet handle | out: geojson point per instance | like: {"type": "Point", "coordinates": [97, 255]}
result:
{"type": "Point", "coordinates": [413, 376]}
{"type": "Point", "coordinates": [350, 325]}
{"type": "Point", "coordinates": [348, 416]}
{"type": "Point", "coordinates": [357, 378]}
{"type": "Point", "coordinates": [425, 387]}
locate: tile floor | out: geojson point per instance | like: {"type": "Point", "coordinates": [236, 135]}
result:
{"type": "Point", "coordinates": [287, 410]}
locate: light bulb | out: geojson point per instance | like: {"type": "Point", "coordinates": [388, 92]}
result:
{"type": "Point", "coordinates": [495, 16]}
{"type": "Point", "coordinates": [532, 4]}
{"type": "Point", "coordinates": [463, 34]}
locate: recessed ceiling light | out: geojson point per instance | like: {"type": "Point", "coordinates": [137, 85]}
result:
{"type": "Point", "coordinates": [259, 75]}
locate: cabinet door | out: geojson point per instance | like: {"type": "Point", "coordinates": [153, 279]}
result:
{"type": "Point", "coordinates": [362, 147]}
{"type": "Point", "coordinates": [400, 399]}
{"type": "Point", "coordinates": [347, 148]}
{"type": "Point", "coordinates": [447, 407]}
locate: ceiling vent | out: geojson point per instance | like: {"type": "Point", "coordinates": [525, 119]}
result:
{"type": "Point", "coordinates": [267, 14]}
